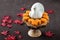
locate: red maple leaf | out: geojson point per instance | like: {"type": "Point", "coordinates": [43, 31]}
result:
{"type": "Point", "coordinates": [10, 37]}
{"type": "Point", "coordinates": [5, 32]}
{"type": "Point", "coordinates": [49, 34]}
{"type": "Point", "coordinates": [50, 11]}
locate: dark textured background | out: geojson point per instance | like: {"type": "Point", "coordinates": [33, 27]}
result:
{"type": "Point", "coordinates": [12, 7]}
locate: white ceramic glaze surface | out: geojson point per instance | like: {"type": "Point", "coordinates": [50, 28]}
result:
{"type": "Point", "coordinates": [37, 10]}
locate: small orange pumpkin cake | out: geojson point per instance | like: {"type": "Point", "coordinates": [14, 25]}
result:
{"type": "Point", "coordinates": [35, 23]}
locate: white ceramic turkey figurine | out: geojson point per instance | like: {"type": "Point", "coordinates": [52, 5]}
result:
{"type": "Point", "coordinates": [35, 18]}
{"type": "Point", "coordinates": [37, 10]}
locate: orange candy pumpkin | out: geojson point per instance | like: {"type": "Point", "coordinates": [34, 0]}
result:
{"type": "Point", "coordinates": [34, 23]}
{"type": "Point", "coordinates": [43, 20]}
{"type": "Point", "coordinates": [30, 20]}
{"type": "Point", "coordinates": [25, 15]}
{"type": "Point", "coordinates": [27, 12]}
{"type": "Point", "coordinates": [39, 21]}
{"type": "Point", "coordinates": [45, 15]}
{"type": "Point", "coordinates": [25, 18]}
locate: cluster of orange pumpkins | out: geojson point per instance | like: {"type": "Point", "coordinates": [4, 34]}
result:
{"type": "Point", "coordinates": [35, 22]}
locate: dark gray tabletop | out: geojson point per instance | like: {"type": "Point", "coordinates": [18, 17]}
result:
{"type": "Point", "coordinates": [12, 7]}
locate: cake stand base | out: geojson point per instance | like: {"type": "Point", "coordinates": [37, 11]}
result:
{"type": "Point", "coordinates": [34, 33]}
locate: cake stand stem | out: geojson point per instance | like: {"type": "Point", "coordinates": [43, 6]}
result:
{"type": "Point", "coordinates": [34, 33]}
